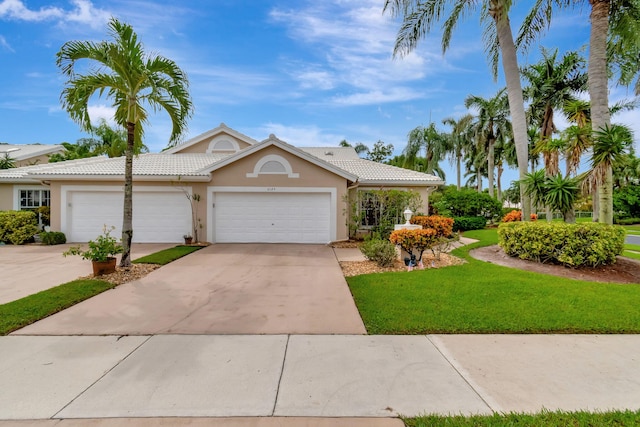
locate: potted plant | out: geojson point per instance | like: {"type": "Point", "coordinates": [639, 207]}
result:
{"type": "Point", "coordinates": [187, 239]}
{"type": "Point", "coordinates": [101, 252]}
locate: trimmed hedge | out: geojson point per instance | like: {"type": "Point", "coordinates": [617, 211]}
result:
{"type": "Point", "coordinates": [626, 221]}
{"type": "Point", "coordinates": [53, 238]}
{"type": "Point", "coordinates": [464, 223]}
{"type": "Point", "coordinates": [573, 245]}
{"type": "Point", "coordinates": [18, 227]}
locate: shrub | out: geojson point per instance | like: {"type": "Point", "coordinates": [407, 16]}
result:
{"type": "Point", "coordinates": [573, 245]}
{"type": "Point", "coordinates": [45, 214]}
{"type": "Point", "coordinates": [517, 216]}
{"type": "Point", "coordinates": [627, 221]}
{"type": "Point", "coordinates": [17, 227]}
{"type": "Point", "coordinates": [465, 223]}
{"type": "Point", "coordinates": [53, 238]}
{"type": "Point", "coordinates": [382, 252]}
{"type": "Point", "coordinates": [467, 202]}
{"type": "Point", "coordinates": [442, 224]}
{"type": "Point", "coordinates": [626, 201]}
{"type": "Point", "coordinates": [411, 240]}
{"type": "Point", "coordinates": [104, 247]}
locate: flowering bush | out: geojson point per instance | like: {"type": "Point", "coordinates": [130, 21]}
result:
{"type": "Point", "coordinates": [419, 240]}
{"type": "Point", "coordinates": [441, 224]}
{"type": "Point", "coordinates": [517, 216]}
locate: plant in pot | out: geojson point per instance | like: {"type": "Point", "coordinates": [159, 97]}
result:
{"type": "Point", "coordinates": [187, 239]}
{"type": "Point", "coordinates": [101, 252]}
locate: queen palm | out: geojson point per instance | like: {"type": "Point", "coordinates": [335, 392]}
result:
{"type": "Point", "coordinates": [132, 79]}
{"type": "Point", "coordinates": [419, 18]}
{"type": "Point", "coordinates": [460, 139]}
{"type": "Point", "coordinates": [492, 123]}
{"type": "Point", "coordinates": [609, 147]}
{"type": "Point", "coordinates": [435, 147]}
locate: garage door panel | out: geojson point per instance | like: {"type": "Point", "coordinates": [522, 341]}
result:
{"type": "Point", "coordinates": [272, 217]}
{"type": "Point", "coordinates": [157, 217]}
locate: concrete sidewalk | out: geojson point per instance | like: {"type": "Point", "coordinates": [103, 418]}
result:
{"type": "Point", "coordinates": [317, 376]}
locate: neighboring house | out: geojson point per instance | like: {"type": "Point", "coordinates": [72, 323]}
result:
{"type": "Point", "coordinates": [249, 191]}
{"type": "Point", "coordinates": [30, 154]}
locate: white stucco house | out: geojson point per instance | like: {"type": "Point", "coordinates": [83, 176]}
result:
{"type": "Point", "coordinates": [249, 191]}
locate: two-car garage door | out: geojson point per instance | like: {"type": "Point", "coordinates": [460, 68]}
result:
{"type": "Point", "coordinates": [158, 216]}
{"type": "Point", "coordinates": [272, 217]}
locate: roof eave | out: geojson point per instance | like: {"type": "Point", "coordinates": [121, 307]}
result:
{"type": "Point", "coordinates": [405, 183]}
{"type": "Point", "coordinates": [152, 178]}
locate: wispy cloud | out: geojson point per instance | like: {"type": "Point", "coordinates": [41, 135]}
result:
{"type": "Point", "coordinates": [4, 44]}
{"type": "Point", "coordinates": [80, 12]}
{"type": "Point", "coordinates": [353, 42]}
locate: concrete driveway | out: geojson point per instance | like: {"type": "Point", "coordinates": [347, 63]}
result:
{"type": "Point", "coordinates": [29, 269]}
{"type": "Point", "coordinates": [222, 289]}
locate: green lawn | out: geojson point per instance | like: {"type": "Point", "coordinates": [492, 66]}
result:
{"type": "Point", "coordinates": [168, 255]}
{"type": "Point", "coordinates": [632, 229]}
{"type": "Point", "coordinates": [558, 418]}
{"type": "Point", "coordinates": [480, 297]}
{"type": "Point", "coordinates": [20, 313]}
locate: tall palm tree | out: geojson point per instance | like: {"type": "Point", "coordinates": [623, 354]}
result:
{"type": "Point", "coordinates": [133, 79]}
{"type": "Point", "coordinates": [609, 25]}
{"type": "Point", "coordinates": [460, 139]}
{"type": "Point", "coordinates": [609, 147]}
{"type": "Point", "coordinates": [419, 17]}
{"type": "Point", "coordinates": [434, 144]}
{"type": "Point", "coordinates": [505, 153]}
{"type": "Point", "coordinates": [492, 122]}
{"type": "Point", "coordinates": [553, 84]}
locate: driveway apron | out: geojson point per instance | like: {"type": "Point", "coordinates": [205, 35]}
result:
{"type": "Point", "coordinates": [222, 289]}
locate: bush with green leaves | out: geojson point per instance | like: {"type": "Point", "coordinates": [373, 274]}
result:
{"type": "Point", "coordinates": [468, 202]}
{"type": "Point", "coordinates": [101, 249]}
{"type": "Point", "coordinates": [626, 202]}
{"type": "Point", "coordinates": [53, 238]}
{"type": "Point", "coordinates": [379, 210]}
{"type": "Point", "coordinates": [626, 221]}
{"type": "Point", "coordinates": [465, 223]}
{"type": "Point", "coordinates": [572, 245]}
{"type": "Point", "coordinates": [382, 252]}
{"type": "Point", "coordinates": [17, 227]}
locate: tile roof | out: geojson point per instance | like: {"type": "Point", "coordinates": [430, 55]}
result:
{"type": "Point", "coordinates": [199, 165]}
{"type": "Point", "coordinates": [332, 153]}
{"type": "Point", "coordinates": [26, 151]}
{"type": "Point", "coordinates": [373, 172]}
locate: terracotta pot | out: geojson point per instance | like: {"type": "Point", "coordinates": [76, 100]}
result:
{"type": "Point", "coordinates": [104, 267]}
{"type": "Point", "coordinates": [188, 240]}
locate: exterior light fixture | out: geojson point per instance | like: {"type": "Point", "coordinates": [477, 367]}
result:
{"type": "Point", "coordinates": [407, 215]}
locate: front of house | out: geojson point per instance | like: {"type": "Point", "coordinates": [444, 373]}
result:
{"type": "Point", "coordinates": [233, 188]}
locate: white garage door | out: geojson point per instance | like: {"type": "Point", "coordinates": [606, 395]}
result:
{"type": "Point", "coordinates": [272, 217]}
{"type": "Point", "coordinates": [157, 216]}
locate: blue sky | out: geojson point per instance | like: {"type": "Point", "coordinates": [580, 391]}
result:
{"type": "Point", "coordinates": [311, 72]}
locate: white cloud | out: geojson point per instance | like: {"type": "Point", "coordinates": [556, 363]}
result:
{"type": "Point", "coordinates": [300, 136]}
{"type": "Point", "coordinates": [101, 111]}
{"type": "Point", "coordinates": [5, 44]}
{"type": "Point", "coordinates": [83, 12]}
{"type": "Point", "coordinates": [378, 96]}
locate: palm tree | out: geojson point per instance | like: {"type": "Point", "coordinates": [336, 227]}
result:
{"type": "Point", "coordinates": [6, 162]}
{"type": "Point", "coordinates": [434, 144]}
{"type": "Point", "coordinates": [133, 79]}
{"type": "Point", "coordinates": [459, 141]}
{"type": "Point", "coordinates": [113, 142]}
{"type": "Point", "coordinates": [609, 147]}
{"type": "Point", "coordinates": [492, 122]}
{"type": "Point", "coordinates": [419, 18]}
{"type": "Point", "coordinates": [505, 152]}
{"type": "Point", "coordinates": [552, 85]}
{"type": "Point", "coordinates": [561, 194]}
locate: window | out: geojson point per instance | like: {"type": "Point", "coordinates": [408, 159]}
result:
{"type": "Point", "coordinates": [369, 209]}
{"type": "Point", "coordinates": [31, 199]}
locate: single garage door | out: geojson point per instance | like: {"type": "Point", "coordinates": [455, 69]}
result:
{"type": "Point", "coordinates": [158, 217]}
{"type": "Point", "coordinates": [272, 217]}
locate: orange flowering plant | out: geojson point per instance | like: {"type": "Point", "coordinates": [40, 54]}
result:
{"type": "Point", "coordinates": [410, 240]}
{"type": "Point", "coordinates": [441, 224]}
{"type": "Point", "coordinates": [517, 216]}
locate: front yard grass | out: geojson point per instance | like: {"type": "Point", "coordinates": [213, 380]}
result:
{"type": "Point", "coordinates": [25, 311]}
{"type": "Point", "coordinates": [20, 313]}
{"type": "Point", "coordinates": [167, 255]}
{"type": "Point", "coordinates": [479, 297]}
{"type": "Point", "coordinates": [557, 418]}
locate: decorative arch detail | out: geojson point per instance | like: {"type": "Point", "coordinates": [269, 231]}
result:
{"type": "Point", "coordinates": [273, 164]}
{"type": "Point", "coordinates": [223, 144]}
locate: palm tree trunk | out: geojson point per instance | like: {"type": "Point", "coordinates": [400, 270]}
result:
{"type": "Point", "coordinates": [459, 166]}
{"type": "Point", "coordinates": [606, 198]}
{"type": "Point", "coordinates": [499, 181]}
{"type": "Point", "coordinates": [598, 81]}
{"type": "Point", "coordinates": [479, 180]}
{"type": "Point", "coordinates": [491, 165]}
{"type": "Point", "coordinates": [516, 101]}
{"type": "Point", "coordinates": [127, 217]}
